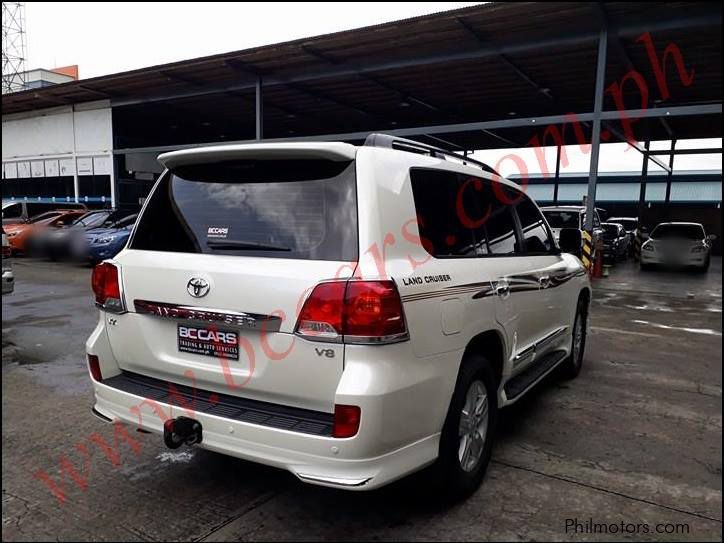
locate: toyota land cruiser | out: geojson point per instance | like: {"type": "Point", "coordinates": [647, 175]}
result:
{"type": "Point", "coordinates": [350, 314]}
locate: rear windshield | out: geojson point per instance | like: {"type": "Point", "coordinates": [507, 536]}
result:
{"type": "Point", "coordinates": [610, 231]}
{"type": "Point", "coordinates": [301, 209]}
{"type": "Point", "coordinates": [563, 219]}
{"type": "Point", "coordinates": [680, 231]}
{"type": "Point", "coordinates": [628, 224]}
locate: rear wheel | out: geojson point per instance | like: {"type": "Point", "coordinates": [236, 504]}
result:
{"type": "Point", "coordinates": [469, 430]}
{"type": "Point", "coordinates": [571, 367]}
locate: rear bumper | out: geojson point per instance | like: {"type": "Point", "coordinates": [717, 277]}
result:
{"type": "Point", "coordinates": [314, 459]}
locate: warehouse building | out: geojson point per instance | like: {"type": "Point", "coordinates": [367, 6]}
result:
{"type": "Point", "coordinates": [490, 76]}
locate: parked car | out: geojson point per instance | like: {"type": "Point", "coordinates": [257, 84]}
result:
{"type": "Point", "coordinates": [559, 217]}
{"type": "Point", "coordinates": [21, 211]}
{"type": "Point", "coordinates": [107, 241]}
{"type": "Point", "coordinates": [254, 283]}
{"type": "Point", "coordinates": [63, 242]}
{"type": "Point", "coordinates": [615, 241]}
{"type": "Point", "coordinates": [19, 234]}
{"type": "Point", "coordinates": [630, 224]}
{"type": "Point", "coordinates": [8, 277]}
{"type": "Point", "coordinates": [677, 244]}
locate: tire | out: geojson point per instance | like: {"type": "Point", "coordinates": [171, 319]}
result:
{"type": "Point", "coordinates": [571, 366]}
{"type": "Point", "coordinates": [459, 470]}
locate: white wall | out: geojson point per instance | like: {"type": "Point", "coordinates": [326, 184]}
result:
{"type": "Point", "coordinates": [58, 131]}
{"type": "Point", "coordinates": [79, 137]}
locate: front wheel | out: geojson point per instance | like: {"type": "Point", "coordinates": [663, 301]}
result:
{"type": "Point", "coordinates": [467, 436]}
{"type": "Point", "coordinates": [571, 367]}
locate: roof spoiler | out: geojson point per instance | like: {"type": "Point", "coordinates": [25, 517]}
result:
{"type": "Point", "coordinates": [402, 144]}
{"type": "Point", "coordinates": [266, 151]}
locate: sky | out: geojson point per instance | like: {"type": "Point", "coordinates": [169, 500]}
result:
{"type": "Point", "coordinates": [105, 38]}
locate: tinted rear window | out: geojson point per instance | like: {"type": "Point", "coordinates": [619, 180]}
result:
{"type": "Point", "coordinates": [301, 209]}
{"type": "Point", "coordinates": [462, 216]}
{"type": "Point", "coordinates": [610, 231]}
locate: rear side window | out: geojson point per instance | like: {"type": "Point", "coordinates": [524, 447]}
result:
{"type": "Point", "coordinates": [462, 216]}
{"type": "Point", "coordinates": [37, 209]}
{"type": "Point", "coordinates": [536, 239]}
{"type": "Point", "coordinates": [301, 209]}
{"type": "Point", "coordinates": [445, 213]}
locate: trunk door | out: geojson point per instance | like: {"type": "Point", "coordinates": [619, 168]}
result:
{"type": "Point", "coordinates": [225, 256]}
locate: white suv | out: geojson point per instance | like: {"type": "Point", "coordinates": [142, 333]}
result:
{"type": "Point", "coordinates": [678, 244]}
{"type": "Point", "coordinates": [350, 314]}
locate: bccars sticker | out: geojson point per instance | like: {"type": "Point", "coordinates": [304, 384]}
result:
{"type": "Point", "coordinates": [217, 232]}
{"type": "Point", "coordinates": [208, 341]}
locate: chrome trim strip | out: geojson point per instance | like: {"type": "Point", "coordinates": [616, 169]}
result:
{"type": "Point", "coordinates": [525, 353]}
{"type": "Point", "coordinates": [529, 351]}
{"type": "Point", "coordinates": [355, 340]}
{"type": "Point", "coordinates": [335, 481]}
{"type": "Point", "coordinates": [249, 321]}
{"type": "Point", "coordinates": [550, 337]}
{"type": "Point", "coordinates": [376, 340]}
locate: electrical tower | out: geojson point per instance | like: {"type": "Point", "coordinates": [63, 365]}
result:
{"type": "Point", "coordinates": [13, 52]}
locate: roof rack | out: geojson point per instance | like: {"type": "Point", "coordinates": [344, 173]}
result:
{"type": "Point", "coordinates": [402, 144]}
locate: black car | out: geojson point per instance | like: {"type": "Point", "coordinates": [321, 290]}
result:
{"type": "Point", "coordinates": [615, 241]}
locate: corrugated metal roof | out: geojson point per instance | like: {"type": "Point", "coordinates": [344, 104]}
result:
{"type": "Point", "coordinates": [445, 68]}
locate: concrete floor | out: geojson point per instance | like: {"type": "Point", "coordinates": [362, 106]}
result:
{"type": "Point", "coordinates": [637, 438]}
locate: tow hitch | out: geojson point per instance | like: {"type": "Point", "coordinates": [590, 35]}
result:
{"type": "Point", "coordinates": [181, 430]}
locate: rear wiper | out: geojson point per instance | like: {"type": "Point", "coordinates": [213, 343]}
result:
{"type": "Point", "coordinates": [242, 245]}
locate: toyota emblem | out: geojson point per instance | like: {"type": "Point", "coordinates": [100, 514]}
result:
{"type": "Point", "coordinates": [198, 287]}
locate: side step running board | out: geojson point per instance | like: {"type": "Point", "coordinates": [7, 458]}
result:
{"type": "Point", "coordinates": [524, 380]}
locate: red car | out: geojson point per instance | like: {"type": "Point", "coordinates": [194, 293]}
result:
{"type": "Point", "coordinates": [19, 234]}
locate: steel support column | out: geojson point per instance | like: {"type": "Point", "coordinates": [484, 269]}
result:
{"type": "Point", "coordinates": [596, 129]}
{"type": "Point", "coordinates": [668, 176]}
{"type": "Point", "coordinates": [557, 178]}
{"type": "Point", "coordinates": [259, 110]}
{"type": "Point", "coordinates": [644, 178]}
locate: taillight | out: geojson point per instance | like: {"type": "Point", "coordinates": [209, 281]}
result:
{"type": "Point", "coordinates": [353, 312]}
{"type": "Point", "coordinates": [94, 366]}
{"type": "Point", "coordinates": [107, 287]}
{"type": "Point", "coordinates": [346, 420]}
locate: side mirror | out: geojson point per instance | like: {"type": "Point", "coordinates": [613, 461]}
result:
{"type": "Point", "coordinates": [711, 237]}
{"type": "Point", "coordinates": [570, 241]}
{"type": "Point", "coordinates": [643, 230]}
